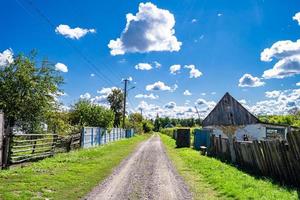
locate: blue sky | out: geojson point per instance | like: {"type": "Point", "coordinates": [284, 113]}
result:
{"type": "Point", "coordinates": [221, 40]}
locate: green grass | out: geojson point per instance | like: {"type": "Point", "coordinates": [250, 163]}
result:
{"type": "Point", "coordinates": [65, 176]}
{"type": "Point", "coordinates": [210, 178]}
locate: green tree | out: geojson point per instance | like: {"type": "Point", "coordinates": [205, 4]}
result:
{"type": "Point", "coordinates": [116, 99]}
{"type": "Point", "coordinates": [28, 92]}
{"type": "Point", "coordinates": [135, 122]}
{"type": "Point", "coordinates": [85, 113]}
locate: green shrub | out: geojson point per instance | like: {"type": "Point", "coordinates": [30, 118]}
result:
{"type": "Point", "coordinates": [147, 126]}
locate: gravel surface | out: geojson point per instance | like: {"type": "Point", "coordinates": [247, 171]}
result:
{"type": "Point", "coordinates": [145, 174]}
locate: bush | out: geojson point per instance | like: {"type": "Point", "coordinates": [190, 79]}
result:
{"type": "Point", "coordinates": [86, 114]}
{"type": "Point", "coordinates": [147, 126]}
{"type": "Point", "coordinates": [168, 131]}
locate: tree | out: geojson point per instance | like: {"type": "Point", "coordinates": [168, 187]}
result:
{"type": "Point", "coordinates": [115, 99]}
{"type": "Point", "coordinates": [135, 122]}
{"type": "Point", "coordinates": [85, 113]}
{"type": "Point", "coordinates": [28, 92]}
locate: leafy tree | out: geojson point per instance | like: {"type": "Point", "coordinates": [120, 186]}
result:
{"type": "Point", "coordinates": [28, 92]}
{"type": "Point", "coordinates": [85, 113]}
{"type": "Point", "coordinates": [116, 99]}
{"type": "Point", "coordinates": [147, 126]}
{"type": "Point", "coordinates": [135, 122]}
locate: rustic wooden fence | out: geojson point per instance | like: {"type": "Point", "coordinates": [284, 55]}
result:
{"type": "Point", "coordinates": [279, 159]}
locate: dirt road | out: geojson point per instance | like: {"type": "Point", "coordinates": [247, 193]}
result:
{"type": "Point", "coordinates": [146, 174]}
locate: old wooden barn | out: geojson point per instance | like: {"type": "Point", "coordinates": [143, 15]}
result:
{"type": "Point", "coordinates": [231, 117]}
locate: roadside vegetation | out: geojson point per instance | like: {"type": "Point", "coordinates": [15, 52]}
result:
{"type": "Point", "coordinates": [210, 178]}
{"type": "Point", "coordinates": [68, 175]}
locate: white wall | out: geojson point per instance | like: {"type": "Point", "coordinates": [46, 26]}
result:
{"type": "Point", "coordinates": [253, 131]}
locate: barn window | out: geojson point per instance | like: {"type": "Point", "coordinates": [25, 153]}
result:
{"type": "Point", "coordinates": [275, 133]}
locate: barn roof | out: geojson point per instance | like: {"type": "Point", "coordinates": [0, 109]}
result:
{"type": "Point", "coordinates": [229, 111]}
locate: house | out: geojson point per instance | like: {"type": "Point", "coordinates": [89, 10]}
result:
{"type": "Point", "coordinates": [230, 118]}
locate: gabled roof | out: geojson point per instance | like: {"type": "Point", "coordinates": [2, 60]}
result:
{"type": "Point", "coordinates": [229, 111]}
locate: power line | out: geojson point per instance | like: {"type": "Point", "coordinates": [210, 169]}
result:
{"type": "Point", "coordinates": [77, 50]}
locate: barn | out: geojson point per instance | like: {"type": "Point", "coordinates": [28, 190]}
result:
{"type": "Point", "coordinates": [230, 118]}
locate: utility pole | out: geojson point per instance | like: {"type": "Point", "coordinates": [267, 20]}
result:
{"type": "Point", "coordinates": [141, 109]}
{"type": "Point", "coordinates": [125, 95]}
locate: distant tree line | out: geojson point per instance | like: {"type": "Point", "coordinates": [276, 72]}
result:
{"type": "Point", "coordinates": [166, 122]}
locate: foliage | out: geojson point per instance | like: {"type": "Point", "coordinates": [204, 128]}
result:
{"type": "Point", "coordinates": [147, 126]}
{"type": "Point", "coordinates": [292, 119]}
{"type": "Point", "coordinates": [168, 131]}
{"type": "Point", "coordinates": [160, 123]}
{"type": "Point", "coordinates": [59, 122]}
{"type": "Point", "coordinates": [135, 121]}
{"type": "Point", "coordinates": [28, 92]}
{"type": "Point", "coordinates": [116, 99]}
{"type": "Point", "coordinates": [85, 113]}
{"type": "Point", "coordinates": [66, 175]}
{"type": "Point", "coordinates": [207, 175]}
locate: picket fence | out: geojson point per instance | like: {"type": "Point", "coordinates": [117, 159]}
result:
{"type": "Point", "coordinates": [279, 159]}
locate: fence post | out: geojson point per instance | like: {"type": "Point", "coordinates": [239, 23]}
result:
{"type": "Point", "coordinates": [1, 138]}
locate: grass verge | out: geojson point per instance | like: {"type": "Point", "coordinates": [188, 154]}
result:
{"type": "Point", "coordinates": [210, 178]}
{"type": "Point", "coordinates": [65, 176]}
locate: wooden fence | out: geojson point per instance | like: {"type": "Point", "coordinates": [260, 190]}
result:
{"type": "Point", "coordinates": [279, 159]}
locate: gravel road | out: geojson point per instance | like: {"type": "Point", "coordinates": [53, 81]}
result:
{"type": "Point", "coordinates": [145, 174]}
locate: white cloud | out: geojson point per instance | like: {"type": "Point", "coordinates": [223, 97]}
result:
{"type": "Point", "coordinates": [143, 66]}
{"type": "Point", "coordinates": [243, 101]}
{"type": "Point", "coordinates": [287, 102]}
{"type": "Point", "coordinates": [194, 20]}
{"type": "Point", "coordinates": [61, 67]}
{"type": "Point", "coordinates": [219, 14]}
{"type": "Point", "coordinates": [187, 93]}
{"type": "Point", "coordinates": [157, 64]}
{"type": "Point", "coordinates": [247, 80]}
{"type": "Point", "coordinates": [86, 96]}
{"type": "Point", "coordinates": [92, 75]}
{"type": "Point", "coordinates": [280, 49]}
{"type": "Point", "coordinates": [157, 86]}
{"type": "Point", "coordinates": [298, 84]}
{"type": "Point", "coordinates": [146, 96]}
{"type": "Point", "coordinates": [203, 94]}
{"type": "Point", "coordinates": [285, 67]}
{"type": "Point", "coordinates": [297, 18]}
{"type": "Point", "coordinates": [175, 86]}
{"type": "Point", "coordinates": [170, 105]}
{"type": "Point", "coordinates": [194, 73]}
{"type": "Point", "coordinates": [213, 93]}
{"type": "Point", "coordinates": [175, 69]}
{"type": "Point", "coordinates": [106, 90]}
{"type": "Point", "coordinates": [273, 94]}
{"type": "Point", "coordinates": [151, 29]}
{"type": "Point", "coordinates": [6, 57]}
{"type": "Point", "coordinates": [288, 54]}
{"type": "Point", "coordinates": [73, 33]}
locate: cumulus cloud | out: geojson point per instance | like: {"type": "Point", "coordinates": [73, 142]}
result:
{"type": "Point", "coordinates": [297, 18]}
{"type": "Point", "coordinates": [158, 86]}
{"type": "Point", "coordinates": [194, 20]}
{"type": "Point", "coordinates": [151, 29]}
{"type": "Point", "coordinates": [143, 66]}
{"type": "Point", "coordinates": [92, 75]}
{"type": "Point", "coordinates": [298, 84]}
{"type": "Point", "coordinates": [61, 67]}
{"type": "Point", "coordinates": [170, 105]}
{"type": "Point", "coordinates": [285, 67]}
{"type": "Point", "coordinates": [106, 90]}
{"type": "Point", "coordinates": [85, 96]}
{"type": "Point", "coordinates": [288, 101]}
{"type": "Point", "coordinates": [187, 93]}
{"type": "Point", "coordinates": [175, 69]}
{"type": "Point", "coordinates": [273, 94]}
{"type": "Point", "coordinates": [6, 57]}
{"type": "Point", "coordinates": [247, 80]}
{"type": "Point", "coordinates": [146, 96]}
{"type": "Point", "coordinates": [73, 33]}
{"type": "Point", "coordinates": [288, 54]}
{"type": "Point", "coordinates": [194, 73]}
